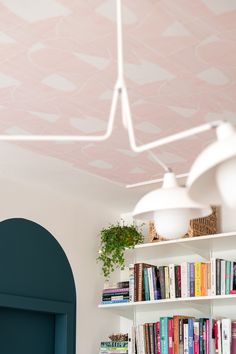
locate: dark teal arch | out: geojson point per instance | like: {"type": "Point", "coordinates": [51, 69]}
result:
{"type": "Point", "coordinates": [36, 279]}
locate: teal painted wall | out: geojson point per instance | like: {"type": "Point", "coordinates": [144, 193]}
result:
{"type": "Point", "coordinates": [37, 292]}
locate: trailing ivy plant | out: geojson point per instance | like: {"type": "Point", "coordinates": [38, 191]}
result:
{"type": "Point", "coordinates": [114, 240]}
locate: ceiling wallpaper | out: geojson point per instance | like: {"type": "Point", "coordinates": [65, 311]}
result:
{"type": "Point", "coordinates": [58, 68]}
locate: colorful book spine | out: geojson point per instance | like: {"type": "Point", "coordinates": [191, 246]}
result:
{"type": "Point", "coordinates": [167, 282]}
{"type": "Point", "coordinates": [139, 281]}
{"type": "Point", "coordinates": [233, 342]}
{"type": "Point", "coordinates": [186, 344]}
{"type": "Point", "coordinates": [115, 290]}
{"type": "Point", "coordinates": [189, 279]}
{"type": "Point", "coordinates": [172, 281]}
{"type": "Point", "coordinates": [207, 337]}
{"type": "Point", "coordinates": [201, 336]}
{"type": "Point", "coordinates": [158, 283]}
{"type": "Point", "coordinates": [215, 336]}
{"type": "Point", "coordinates": [190, 336]}
{"type": "Point", "coordinates": [158, 337]}
{"type": "Point", "coordinates": [146, 285]}
{"type": "Point", "coordinates": [227, 277]}
{"type": "Point", "coordinates": [222, 276]}
{"type": "Point", "coordinates": [219, 337]}
{"type": "Point", "coordinates": [109, 302]}
{"type": "Point", "coordinates": [213, 276]}
{"type": "Point", "coordinates": [147, 341]}
{"type": "Point", "coordinates": [155, 281]}
{"type": "Point", "coordinates": [142, 339]}
{"type": "Point", "coordinates": [155, 338]}
{"type": "Point", "coordinates": [150, 281]}
{"type": "Point", "coordinates": [184, 279]}
{"type": "Point", "coordinates": [192, 286]}
{"type": "Point", "coordinates": [234, 275]}
{"type": "Point", "coordinates": [226, 335]}
{"type": "Point", "coordinates": [181, 336]}
{"type": "Point", "coordinates": [170, 336]}
{"type": "Point", "coordinates": [136, 282]}
{"type": "Point", "coordinates": [131, 282]}
{"type": "Point", "coordinates": [162, 282]}
{"type": "Point", "coordinates": [209, 292]}
{"type": "Point", "coordinates": [151, 337]}
{"type": "Point", "coordinates": [198, 278]}
{"type": "Point", "coordinates": [204, 279]}
{"type": "Point", "coordinates": [178, 280]}
{"type": "Point", "coordinates": [218, 277]}
{"type": "Point", "coordinates": [176, 334]}
{"type": "Point", "coordinates": [196, 337]}
{"type": "Point", "coordinates": [131, 341]}
{"type": "Point", "coordinates": [204, 336]}
{"type": "Point", "coordinates": [164, 335]}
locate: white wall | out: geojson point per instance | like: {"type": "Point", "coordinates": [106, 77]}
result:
{"type": "Point", "coordinates": [75, 224]}
{"type": "Point", "coordinates": [73, 206]}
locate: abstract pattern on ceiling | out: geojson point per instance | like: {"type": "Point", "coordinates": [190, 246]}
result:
{"type": "Point", "coordinates": [58, 68]}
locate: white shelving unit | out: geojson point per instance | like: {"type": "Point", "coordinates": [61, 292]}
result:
{"type": "Point", "coordinates": [186, 249]}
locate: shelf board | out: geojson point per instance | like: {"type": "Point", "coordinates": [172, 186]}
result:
{"type": "Point", "coordinates": [200, 303]}
{"type": "Point", "coordinates": [195, 239]}
{"type": "Point", "coordinates": [201, 245]}
{"type": "Point", "coordinates": [168, 301]}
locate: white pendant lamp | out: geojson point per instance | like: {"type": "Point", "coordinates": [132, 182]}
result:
{"type": "Point", "coordinates": [170, 207]}
{"type": "Point", "coordinates": [212, 178]}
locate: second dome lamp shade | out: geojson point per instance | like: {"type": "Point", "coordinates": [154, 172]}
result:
{"type": "Point", "coordinates": [212, 178]}
{"type": "Point", "coordinates": [170, 207]}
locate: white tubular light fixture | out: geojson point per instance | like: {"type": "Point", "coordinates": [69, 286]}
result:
{"type": "Point", "coordinates": [119, 90]}
{"type": "Point", "coordinates": [212, 173]}
{"type": "Point", "coordinates": [170, 207]}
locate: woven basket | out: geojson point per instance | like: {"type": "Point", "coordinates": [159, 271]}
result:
{"type": "Point", "coordinates": [199, 227]}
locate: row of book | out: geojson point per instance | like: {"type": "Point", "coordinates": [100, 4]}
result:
{"type": "Point", "coordinates": [111, 347]}
{"type": "Point", "coordinates": [189, 279]}
{"type": "Point", "coordinates": [116, 294]}
{"type": "Point", "coordinates": [184, 335]}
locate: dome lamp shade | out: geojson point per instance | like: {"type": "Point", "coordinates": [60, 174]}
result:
{"type": "Point", "coordinates": [170, 207]}
{"type": "Point", "coordinates": [212, 177]}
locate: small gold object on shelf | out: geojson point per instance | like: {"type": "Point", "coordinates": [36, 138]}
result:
{"type": "Point", "coordinates": [119, 337]}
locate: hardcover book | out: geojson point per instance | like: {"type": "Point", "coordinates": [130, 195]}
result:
{"type": "Point", "coordinates": [190, 336]}
{"type": "Point", "coordinates": [192, 278]}
{"type": "Point", "coordinates": [162, 282]}
{"type": "Point", "coordinates": [218, 276]}
{"type": "Point", "coordinates": [170, 336]}
{"type": "Point", "coordinates": [233, 344]}
{"type": "Point", "coordinates": [198, 278]}
{"type": "Point", "coordinates": [167, 282]}
{"type": "Point", "coordinates": [223, 276]}
{"type": "Point", "coordinates": [173, 279]}
{"type": "Point", "coordinates": [226, 335]}
{"type": "Point", "coordinates": [184, 279]}
{"type": "Point", "coordinates": [204, 279]}
{"type": "Point", "coordinates": [164, 335]}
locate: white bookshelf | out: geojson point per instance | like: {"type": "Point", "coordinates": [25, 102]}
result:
{"type": "Point", "coordinates": [221, 245]}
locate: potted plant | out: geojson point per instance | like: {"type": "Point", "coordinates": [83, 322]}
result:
{"type": "Point", "coordinates": [114, 240]}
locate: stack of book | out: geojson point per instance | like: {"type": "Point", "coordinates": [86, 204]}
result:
{"type": "Point", "coordinates": [114, 348]}
{"type": "Point", "coordinates": [189, 279]}
{"type": "Point", "coordinates": [181, 334]}
{"type": "Point", "coordinates": [117, 294]}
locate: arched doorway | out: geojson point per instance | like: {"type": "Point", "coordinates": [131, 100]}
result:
{"type": "Point", "coordinates": [37, 292]}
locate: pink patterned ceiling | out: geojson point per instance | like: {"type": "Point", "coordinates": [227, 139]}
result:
{"type": "Point", "coordinates": [58, 68]}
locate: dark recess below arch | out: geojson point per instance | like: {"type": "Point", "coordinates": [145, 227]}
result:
{"type": "Point", "coordinates": [37, 292]}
